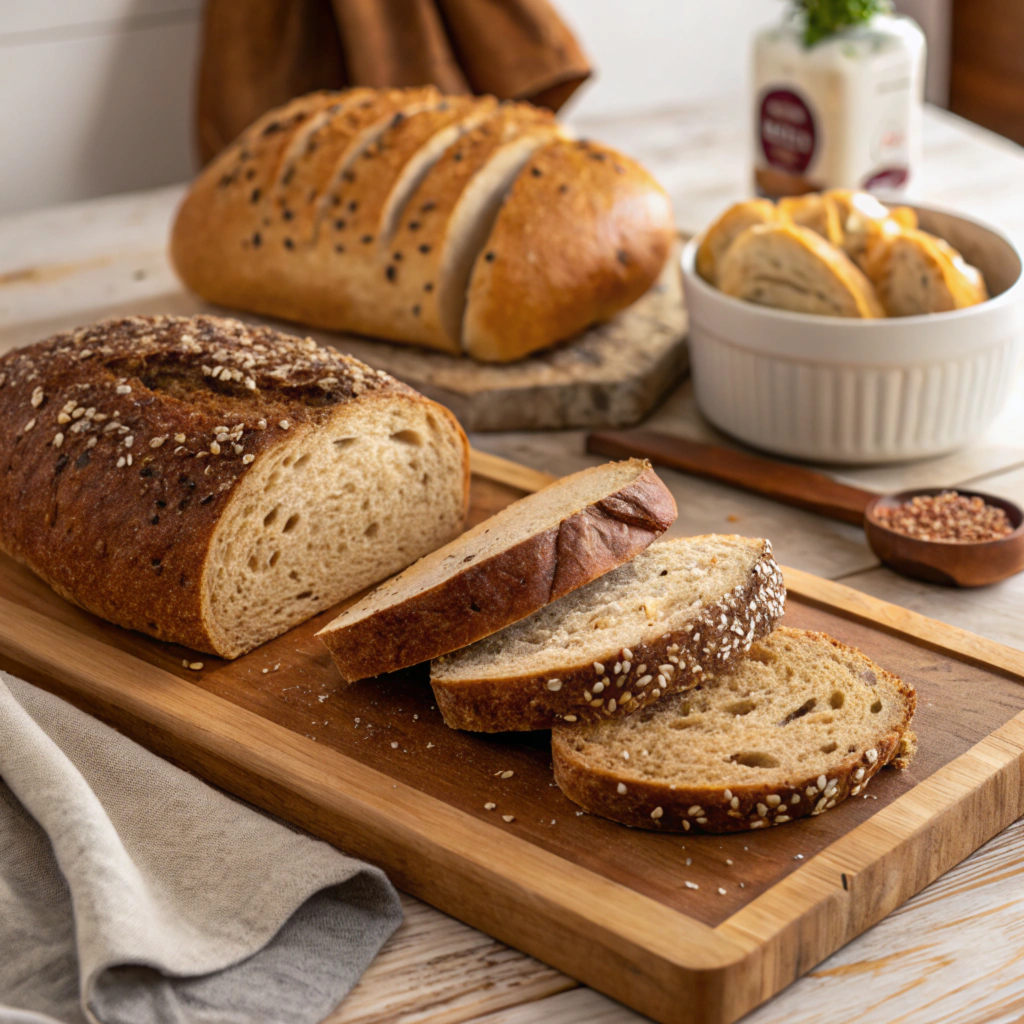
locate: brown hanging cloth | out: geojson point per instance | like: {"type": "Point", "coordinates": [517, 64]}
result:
{"type": "Point", "coordinates": [258, 54]}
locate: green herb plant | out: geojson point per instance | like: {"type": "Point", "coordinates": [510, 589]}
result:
{"type": "Point", "coordinates": [823, 18]}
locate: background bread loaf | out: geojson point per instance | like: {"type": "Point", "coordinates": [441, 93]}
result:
{"type": "Point", "coordinates": [214, 484]}
{"type": "Point", "coordinates": [315, 215]}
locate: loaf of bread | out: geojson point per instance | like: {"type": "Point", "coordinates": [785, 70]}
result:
{"type": "Point", "coordinates": [531, 553]}
{"type": "Point", "coordinates": [790, 267]}
{"type": "Point", "coordinates": [723, 232]}
{"type": "Point", "coordinates": [679, 611]}
{"type": "Point", "coordinates": [214, 484]}
{"type": "Point", "coordinates": [915, 273]}
{"type": "Point", "coordinates": [798, 725]}
{"type": "Point", "coordinates": [456, 223]}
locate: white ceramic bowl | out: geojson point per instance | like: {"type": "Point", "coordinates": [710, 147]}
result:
{"type": "Point", "coordinates": [832, 389]}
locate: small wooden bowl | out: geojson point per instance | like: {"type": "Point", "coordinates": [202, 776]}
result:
{"type": "Point", "coordinates": [955, 565]}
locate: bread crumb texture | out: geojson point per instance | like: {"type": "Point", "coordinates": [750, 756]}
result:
{"type": "Point", "coordinates": [213, 483]}
{"type": "Point", "coordinates": [789, 731]}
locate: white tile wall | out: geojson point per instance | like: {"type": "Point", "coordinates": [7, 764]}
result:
{"type": "Point", "coordinates": [96, 96]}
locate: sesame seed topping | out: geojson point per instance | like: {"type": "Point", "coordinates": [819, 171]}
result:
{"type": "Point", "coordinates": [599, 668]}
{"type": "Point", "coordinates": [124, 389]}
{"type": "Point", "coordinates": [156, 442]}
{"type": "Point", "coordinates": [58, 440]}
{"type": "Point", "coordinates": [195, 666]}
{"type": "Point", "coordinates": [215, 448]}
{"type": "Point", "coordinates": [691, 885]}
{"type": "Point", "coordinates": [247, 459]}
{"type": "Point", "coordinates": [657, 813]}
{"type": "Point", "coordinates": [621, 789]}
{"type": "Point", "coordinates": [37, 398]}
{"type": "Point", "coordinates": [490, 805]}
{"type": "Point", "coordinates": [284, 424]}
{"type": "Point", "coordinates": [570, 718]}
{"type": "Point", "coordinates": [508, 818]}
{"type": "Point", "coordinates": [554, 685]}
{"type": "Point", "coordinates": [507, 775]}
{"type": "Point", "coordinates": [871, 755]}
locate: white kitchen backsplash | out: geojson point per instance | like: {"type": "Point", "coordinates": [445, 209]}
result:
{"type": "Point", "coordinates": [97, 95]}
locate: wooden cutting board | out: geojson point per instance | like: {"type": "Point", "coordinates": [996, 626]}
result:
{"type": "Point", "coordinates": [373, 769]}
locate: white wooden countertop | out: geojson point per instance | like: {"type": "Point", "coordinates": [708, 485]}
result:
{"type": "Point", "coordinates": [953, 954]}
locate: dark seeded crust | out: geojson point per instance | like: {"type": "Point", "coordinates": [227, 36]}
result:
{"type": "Point", "coordinates": [488, 595]}
{"type": "Point", "coordinates": [518, 703]}
{"type": "Point", "coordinates": [596, 790]}
{"type": "Point", "coordinates": [129, 541]}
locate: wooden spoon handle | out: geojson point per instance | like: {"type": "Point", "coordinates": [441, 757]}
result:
{"type": "Point", "coordinates": [792, 485]}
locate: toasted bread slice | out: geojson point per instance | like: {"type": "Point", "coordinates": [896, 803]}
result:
{"type": "Point", "coordinates": [789, 267]}
{"type": "Point", "coordinates": [816, 211]}
{"type": "Point", "coordinates": [680, 610]}
{"type": "Point", "coordinates": [915, 272]}
{"type": "Point", "coordinates": [720, 236]}
{"type": "Point", "coordinates": [787, 732]}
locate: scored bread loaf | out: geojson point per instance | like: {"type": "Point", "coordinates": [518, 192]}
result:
{"type": "Point", "coordinates": [678, 611]}
{"type": "Point", "coordinates": [214, 484]}
{"type": "Point", "coordinates": [314, 215]}
{"type": "Point", "coordinates": [789, 731]}
{"type": "Point", "coordinates": [915, 273]}
{"type": "Point", "coordinates": [790, 267]}
{"type": "Point", "coordinates": [527, 555]}
{"type": "Point", "coordinates": [724, 231]}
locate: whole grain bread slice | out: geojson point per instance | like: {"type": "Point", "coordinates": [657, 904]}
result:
{"type": "Point", "coordinates": [787, 732]}
{"type": "Point", "coordinates": [532, 552]}
{"type": "Point", "coordinates": [678, 611]}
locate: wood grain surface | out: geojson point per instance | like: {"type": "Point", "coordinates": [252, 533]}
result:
{"type": "Point", "coordinates": [386, 779]}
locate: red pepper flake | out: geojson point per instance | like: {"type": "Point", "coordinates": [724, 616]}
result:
{"type": "Point", "coordinates": [950, 517]}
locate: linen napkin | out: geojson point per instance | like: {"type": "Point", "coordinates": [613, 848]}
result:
{"type": "Point", "coordinates": [133, 893]}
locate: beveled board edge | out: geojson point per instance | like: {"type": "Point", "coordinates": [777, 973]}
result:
{"type": "Point", "coordinates": [616, 940]}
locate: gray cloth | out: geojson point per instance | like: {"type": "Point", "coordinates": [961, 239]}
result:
{"type": "Point", "coordinates": [133, 893]}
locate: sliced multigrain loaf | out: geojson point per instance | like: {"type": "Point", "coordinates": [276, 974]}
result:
{"type": "Point", "coordinates": [916, 273]}
{"type": "Point", "coordinates": [724, 231]}
{"type": "Point", "coordinates": [790, 267]}
{"type": "Point", "coordinates": [449, 217]}
{"type": "Point", "coordinates": [658, 624]}
{"type": "Point", "coordinates": [799, 724]}
{"type": "Point", "coordinates": [215, 484]}
{"type": "Point", "coordinates": [583, 232]}
{"type": "Point", "coordinates": [529, 554]}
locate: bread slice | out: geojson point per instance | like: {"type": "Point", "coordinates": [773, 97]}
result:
{"type": "Point", "coordinates": [789, 267]}
{"type": "Point", "coordinates": [817, 211]}
{"type": "Point", "coordinates": [679, 611]}
{"type": "Point", "coordinates": [583, 232]}
{"type": "Point", "coordinates": [865, 221]}
{"type": "Point", "coordinates": [532, 552]}
{"type": "Point", "coordinates": [915, 273]}
{"type": "Point", "coordinates": [215, 484]}
{"type": "Point", "coordinates": [789, 731]}
{"type": "Point", "coordinates": [724, 231]}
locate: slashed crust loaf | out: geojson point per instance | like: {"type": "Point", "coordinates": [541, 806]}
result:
{"type": "Point", "coordinates": [308, 217]}
{"type": "Point", "coordinates": [212, 483]}
{"type": "Point", "coordinates": [798, 725]}
{"type": "Point", "coordinates": [678, 611]}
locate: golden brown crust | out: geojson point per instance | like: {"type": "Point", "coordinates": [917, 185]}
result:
{"type": "Point", "coordinates": [653, 805]}
{"type": "Point", "coordinates": [583, 233]}
{"type": "Point", "coordinates": [675, 662]}
{"type": "Point", "coordinates": [122, 445]}
{"type": "Point", "coordinates": [492, 593]}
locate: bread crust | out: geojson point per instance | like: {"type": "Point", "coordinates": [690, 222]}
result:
{"type": "Point", "coordinates": [583, 233]}
{"type": "Point", "coordinates": [114, 481]}
{"type": "Point", "coordinates": [486, 596]}
{"type": "Point", "coordinates": [652, 805]}
{"type": "Point", "coordinates": [677, 661]}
